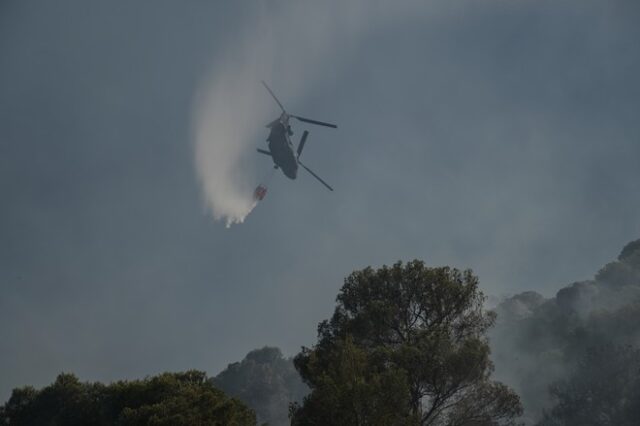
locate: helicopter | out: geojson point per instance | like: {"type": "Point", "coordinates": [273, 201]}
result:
{"type": "Point", "coordinates": [281, 148]}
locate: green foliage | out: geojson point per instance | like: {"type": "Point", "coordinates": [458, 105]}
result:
{"type": "Point", "coordinates": [351, 389]}
{"type": "Point", "coordinates": [168, 399]}
{"type": "Point", "coordinates": [405, 345]}
{"type": "Point", "coordinates": [265, 381]}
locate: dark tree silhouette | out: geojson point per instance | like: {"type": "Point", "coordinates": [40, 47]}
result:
{"type": "Point", "coordinates": [168, 399]}
{"type": "Point", "coordinates": [405, 345]}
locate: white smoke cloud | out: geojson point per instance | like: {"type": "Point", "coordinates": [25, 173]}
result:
{"type": "Point", "coordinates": [289, 47]}
{"type": "Point", "coordinates": [227, 123]}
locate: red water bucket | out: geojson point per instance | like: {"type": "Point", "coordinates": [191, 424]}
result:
{"type": "Point", "coordinates": [259, 193]}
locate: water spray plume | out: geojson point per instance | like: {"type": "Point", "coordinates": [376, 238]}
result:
{"type": "Point", "coordinates": [226, 126]}
{"type": "Point", "coordinates": [231, 108]}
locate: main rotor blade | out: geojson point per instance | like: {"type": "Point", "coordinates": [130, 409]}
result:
{"type": "Point", "coordinates": [302, 141]}
{"type": "Point", "coordinates": [274, 96]}
{"type": "Point", "coordinates": [315, 176]}
{"type": "Point", "coordinates": [319, 123]}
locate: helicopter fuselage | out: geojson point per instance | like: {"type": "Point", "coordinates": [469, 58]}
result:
{"type": "Point", "coordinates": [281, 148]}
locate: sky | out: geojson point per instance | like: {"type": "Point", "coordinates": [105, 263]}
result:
{"type": "Point", "coordinates": [501, 136]}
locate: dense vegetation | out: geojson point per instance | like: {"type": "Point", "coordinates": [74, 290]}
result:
{"type": "Point", "coordinates": [168, 399]}
{"type": "Point", "coordinates": [406, 345]}
{"type": "Point", "coordinates": [563, 355]}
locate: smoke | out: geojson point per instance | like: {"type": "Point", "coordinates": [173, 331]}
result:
{"type": "Point", "coordinates": [267, 382]}
{"type": "Point", "coordinates": [289, 46]}
{"type": "Point", "coordinates": [231, 110]}
{"type": "Point", "coordinates": [539, 341]}
{"type": "Point", "coordinates": [227, 121]}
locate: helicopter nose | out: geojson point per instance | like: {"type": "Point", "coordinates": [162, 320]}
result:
{"type": "Point", "coordinates": [292, 172]}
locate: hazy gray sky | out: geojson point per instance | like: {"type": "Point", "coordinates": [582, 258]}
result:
{"type": "Point", "coordinates": [499, 135]}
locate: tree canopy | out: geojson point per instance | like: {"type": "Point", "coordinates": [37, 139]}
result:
{"type": "Point", "coordinates": [405, 345]}
{"type": "Point", "coordinates": [167, 399]}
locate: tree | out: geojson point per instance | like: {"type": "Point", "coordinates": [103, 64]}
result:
{"type": "Point", "coordinates": [603, 390]}
{"type": "Point", "coordinates": [405, 345]}
{"type": "Point", "coordinates": [350, 389]}
{"type": "Point", "coordinates": [537, 341]}
{"type": "Point", "coordinates": [167, 399]}
{"type": "Point", "coordinates": [265, 381]}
